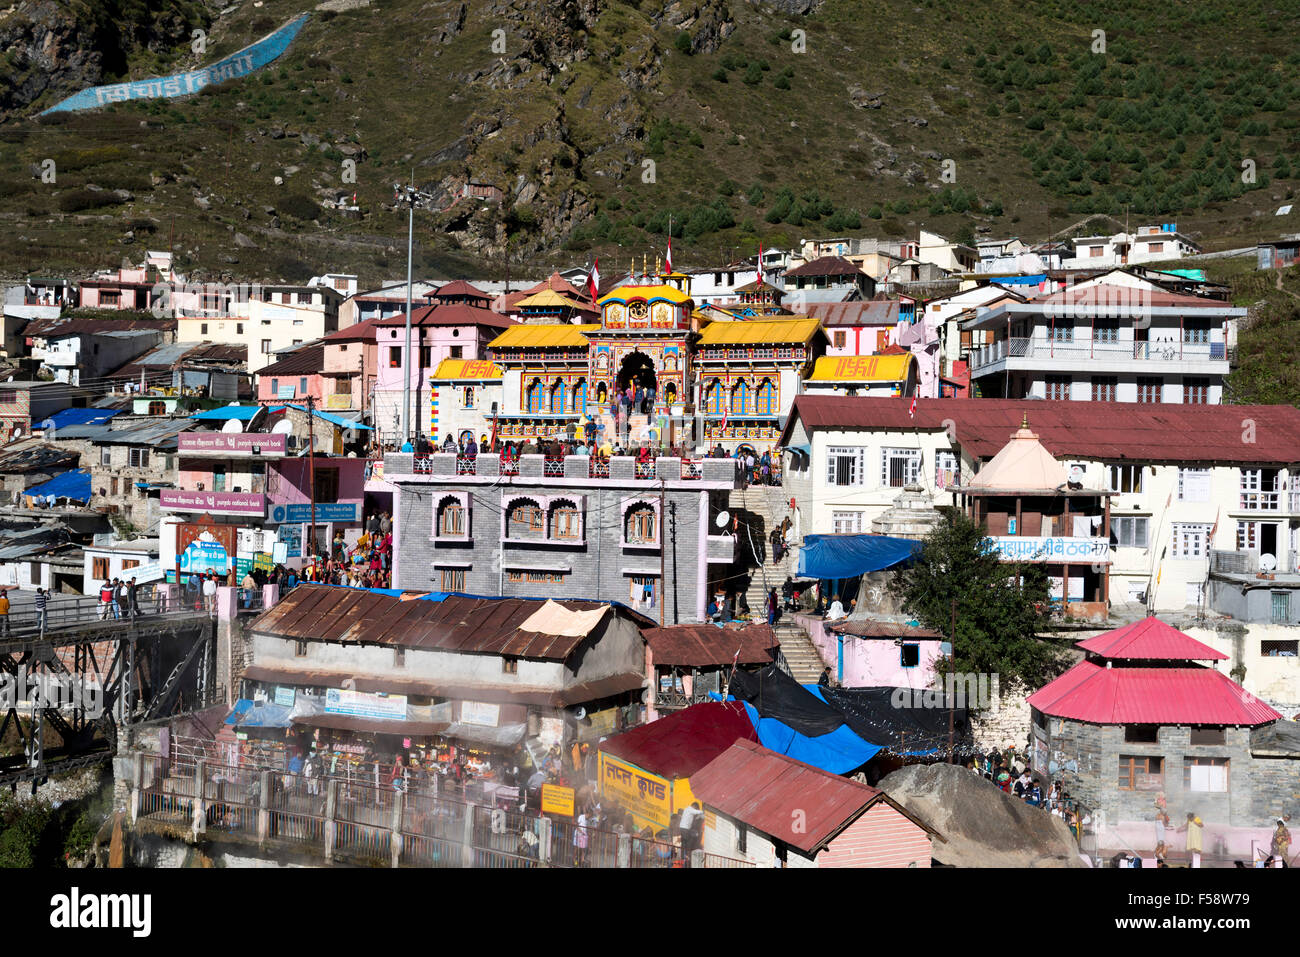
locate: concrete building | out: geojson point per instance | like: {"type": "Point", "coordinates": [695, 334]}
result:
{"type": "Point", "coordinates": [23, 403]}
{"type": "Point", "coordinates": [1142, 725]}
{"type": "Point", "coordinates": [466, 401]}
{"type": "Point", "coordinates": [563, 527]}
{"type": "Point", "coordinates": [273, 318]}
{"type": "Point", "coordinates": [1147, 244]}
{"type": "Point", "coordinates": [136, 559]}
{"type": "Point", "coordinates": [1105, 342]}
{"type": "Point", "coordinates": [1183, 481]}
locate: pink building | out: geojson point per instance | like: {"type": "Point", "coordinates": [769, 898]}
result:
{"type": "Point", "coordinates": [458, 323]}
{"type": "Point", "coordinates": [350, 366]}
{"type": "Point", "coordinates": [855, 328]}
{"type": "Point", "coordinates": [340, 497]}
{"type": "Point", "coordinates": [293, 378]}
{"type": "Point", "coordinates": [875, 654]}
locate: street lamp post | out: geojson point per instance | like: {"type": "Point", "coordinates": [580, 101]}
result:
{"type": "Point", "coordinates": [408, 197]}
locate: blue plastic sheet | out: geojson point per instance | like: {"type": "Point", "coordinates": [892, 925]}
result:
{"type": "Point", "coordinates": [248, 60]}
{"type": "Point", "coordinates": [839, 752]}
{"type": "Point", "coordinates": [846, 556]}
{"type": "Point", "coordinates": [74, 485]}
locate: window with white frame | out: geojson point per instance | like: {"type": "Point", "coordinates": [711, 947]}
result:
{"type": "Point", "coordinates": [1248, 536]}
{"type": "Point", "coordinates": [947, 470]}
{"type": "Point", "coordinates": [1190, 541]}
{"type": "Point", "coordinates": [1205, 774]}
{"type": "Point", "coordinates": [138, 458]}
{"type": "Point", "coordinates": [1193, 485]}
{"type": "Point", "coordinates": [899, 467]}
{"type": "Point", "coordinates": [846, 523]}
{"type": "Point", "coordinates": [105, 456]}
{"type": "Point", "coordinates": [1124, 478]}
{"type": "Point", "coordinates": [844, 466]}
{"type": "Point", "coordinates": [1129, 531]}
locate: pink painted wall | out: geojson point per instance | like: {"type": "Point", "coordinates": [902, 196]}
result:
{"type": "Point", "coordinates": [266, 393]}
{"type": "Point", "coordinates": [289, 486]}
{"type": "Point", "coordinates": [858, 340]}
{"type": "Point", "coordinates": [871, 662]}
{"type": "Point", "coordinates": [882, 837]}
{"type": "Point", "coordinates": [1140, 836]}
{"type": "Point", "coordinates": [440, 339]}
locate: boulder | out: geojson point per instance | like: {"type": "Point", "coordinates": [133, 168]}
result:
{"type": "Point", "coordinates": [982, 826]}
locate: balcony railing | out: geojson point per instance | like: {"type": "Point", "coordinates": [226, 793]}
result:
{"type": "Point", "coordinates": [553, 467]}
{"type": "Point", "coordinates": [597, 467]}
{"type": "Point", "coordinates": [1227, 562]}
{"type": "Point", "coordinates": [422, 464]}
{"type": "Point", "coordinates": [645, 470]}
{"type": "Point", "coordinates": [691, 469]}
{"type": "Point", "coordinates": [1165, 351]}
{"type": "Point", "coordinates": [509, 466]}
{"type": "Point", "coordinates": [467, 465]}
{"type": "Point", "coordinates": [1256, 501]}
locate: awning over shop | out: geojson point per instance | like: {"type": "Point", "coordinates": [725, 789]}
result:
{"type": "Point", "coordinates": [506, 736]}
{"type": "Point", "coordinates": [846, 556]}
{"type": "Point", "coordinates": [346, 722]}
{"type": "Point", "coordinates": [260, 715]}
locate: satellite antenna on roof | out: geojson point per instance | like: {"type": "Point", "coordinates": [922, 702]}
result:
{"type": "Point", "coordinates": [1076, 476]}
{"type": "Point", "coordinates": [723, 519]}
{"type": "Point", "coordinates": [1268, 562]}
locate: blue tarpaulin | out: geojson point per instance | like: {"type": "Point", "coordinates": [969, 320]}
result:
{"type": "Point", "coordinates": [1020, 280]}
{"type": "Point", "coordinates": [61, 420]}
{"type": "Point", "coordinates": [222, 413]}
{"type": "Point", "coordinates": [845, 556]}
{"type": "Point", "coordinates": [74, 485]}
{"type": "Point", "coordinates": [266, 715]}
{"type": "Point", "coordinates": [331, 418]}
{"type": "Point", "coordinates": [839, 752]}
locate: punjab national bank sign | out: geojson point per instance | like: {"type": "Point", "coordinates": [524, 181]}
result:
{"type": "Point", "coordinates": [231, 443]}
{"type": "Point", "coordinates": [215, 503]}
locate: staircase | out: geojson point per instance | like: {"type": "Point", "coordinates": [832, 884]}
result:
{"type": "Point", "coordinates": [765, 507]}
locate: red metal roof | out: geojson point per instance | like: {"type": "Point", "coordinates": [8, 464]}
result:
{"type": "Point", "coordinates": [710, 645]}
{"type": "Point", "coordinates": [309, 360]}
{"type": "Point", "coordinates": [1150, 639]}
{"type": "Point", "coordinates": [357, 332]}
{"type": "Point", "coordinates": [680, 744]}
{"type": "Point", "coordinates": [1110, 294]}
{"type": "Point", "coordinates": [1193, 695]}
{"type": "Point", "coordinates": [449, 314]}
{"type": "Point", "coordinates": [1100, 430]}
{"type": "Point", "coordinates": [458, 287]}
{"type": "Point", "coordinates": [794, 802]}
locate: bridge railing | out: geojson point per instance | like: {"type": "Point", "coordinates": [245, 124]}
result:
{"type": "Point", "coordinates": [63, 613]}
{"type": "Point", "coordinates": [364, 822]}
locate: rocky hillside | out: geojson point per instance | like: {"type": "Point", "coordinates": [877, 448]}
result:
{"type": "Point", "coordinates": [599, 120]}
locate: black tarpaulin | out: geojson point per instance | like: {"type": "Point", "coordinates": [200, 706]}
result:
{"type": "Point", "coordinates": [774, 694]}
{"type": "Point", "coordinates": [898, 718]}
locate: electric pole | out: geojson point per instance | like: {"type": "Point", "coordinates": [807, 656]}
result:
{"type": "Point", "coordinates": [408, 197]}
{"type": "Point", "coordinates": [311, 469]}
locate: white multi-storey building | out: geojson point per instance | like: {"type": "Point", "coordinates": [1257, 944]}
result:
{"type": "Point", "coordinates": [1105, 342]}
{"type": "Point", "coordinates": [1190, 486]}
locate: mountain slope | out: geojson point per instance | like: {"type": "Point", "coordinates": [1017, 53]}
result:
{"type": "Point", "coordinates": [599, 118]}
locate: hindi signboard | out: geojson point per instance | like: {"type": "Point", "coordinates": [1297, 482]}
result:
{"type": "Point", "coordinates": [360, 704]}
{"type": "Point", "coordinates": [1033, 548]}
{"type": "Point", "coordinates": [557, 800]}
{"type": "Point", "coordinates": [647, 796]}
{"type": "Point", "coordinates": [214, 503]}
{"type": "Point", "coordinates": [325, 512]}
{"type": "Point", "coordinates": [231, 443]}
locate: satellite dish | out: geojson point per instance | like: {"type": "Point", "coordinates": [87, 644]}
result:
{"type": "Point", "coordinates": [283, 427]}
{"type": "Point", "coordinates": [349, 435]}
{"type": "Point", "coordinates": [579, 712]}
{"type": "Point", "coordinates": [723, 519]}
{"type": "Point", "coordinates": [1268, 562]}
{"type": "Point", "coordinates": [233, 425]}
{"type": "Point", "coordinates": [1076, 474]}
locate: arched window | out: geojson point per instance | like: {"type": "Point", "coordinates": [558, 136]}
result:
{"type": "Point", "coordinates": [639, 527]}
{"type": "Point", "coordinates": [565, 521]}
{"type": "Point", "coordinates": [765, 398]}
{"type": "Point", "coordinates": [157, 408]}
{"type": "Point", "coordinates": [557, 396]}
{"type": "Point", "coordinates": [453, 517]}
{"type": "Point", "coordinates": [524, 519]}
{"type": "Point", "coordinates": [533, 396]}
{"type": "Point", "coordinates": [740, 397]}
{"type": "Point", "coordinates": [713, 397]}
{"type": "Point", "coordinates": [579, 401]}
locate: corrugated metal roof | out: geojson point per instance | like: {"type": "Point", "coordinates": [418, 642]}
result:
{"type": "Point", "coordinates": [680, 744]}
{"type": "Point", "coordinates": [551, 335]}
{"type": "Point", "coordinates": [794, 802]}
{"type": "Point", "coordinates": [825, 266]}
{"type": "Point", "coordinates": [309, 360]}
{"type": "Point", "coordinates": [696, 645]}
{"type": "Point", "coordinates": [1100, 430]}
{"type": "Point", "coordinates": [1150, 639]}
{"type": "Point", "coordinates": [873, 312]}
{"type": "Point", "coordinates": [648, 292]}
{"type": "Point", "coordinates": [1193, 695]}
{"type": "Point", "coordinates": [743, 332]}
{"type": "Point", "coordinates": [67, 417]}
{"type": "Point", "coordinates": [160, 434]}
{"type": "Point", "coordinates": [457, 623]}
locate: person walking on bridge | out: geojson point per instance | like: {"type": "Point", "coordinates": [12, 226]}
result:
{"type": "Point", "coordinates": [4, 612]}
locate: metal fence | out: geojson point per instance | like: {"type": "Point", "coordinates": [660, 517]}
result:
{"type": "Point", "coordinates": [364, 823]}
{"type": "Point", "coordinates": [61, 614]}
